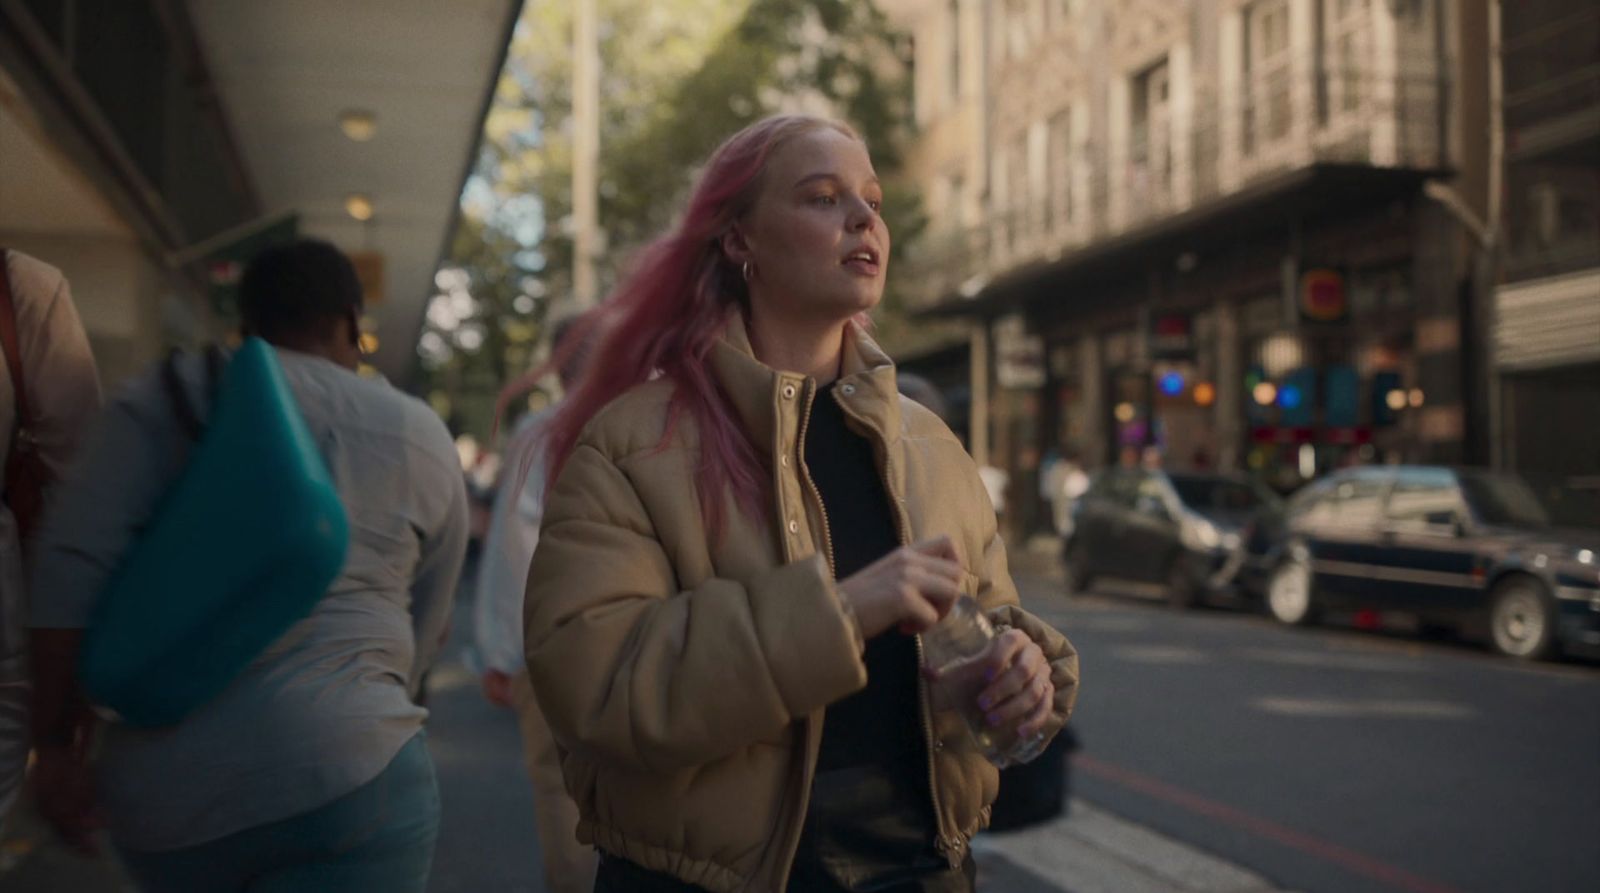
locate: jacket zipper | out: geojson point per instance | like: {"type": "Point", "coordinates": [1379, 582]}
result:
{"type": "Point", "coordinates": [827, 553]}
{"type": "Point", "coordinates": [945, 845]}
{"type": "Point", "coordinates": [805, 475]}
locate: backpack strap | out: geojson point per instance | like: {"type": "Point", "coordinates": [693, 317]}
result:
{"type": "Point", "coordinates": [182, 399]}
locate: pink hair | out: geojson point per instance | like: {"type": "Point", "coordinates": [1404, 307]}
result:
{"type": "Point", "coordinates": [666, 315]}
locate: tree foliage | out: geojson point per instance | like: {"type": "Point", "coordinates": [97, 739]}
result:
{"type": "Point", "coordinates": [677, 77]}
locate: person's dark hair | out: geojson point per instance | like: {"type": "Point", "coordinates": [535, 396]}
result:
{"type": "Point", "coordinates": [297, 290]}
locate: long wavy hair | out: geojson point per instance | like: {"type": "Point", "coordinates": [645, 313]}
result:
{"type": "Point", "coordinates": [665, 316]}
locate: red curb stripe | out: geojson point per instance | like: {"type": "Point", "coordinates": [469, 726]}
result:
{"type": "Point", "coordinates": [1350, 860]}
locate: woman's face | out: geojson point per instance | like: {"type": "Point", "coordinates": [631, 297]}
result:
{"type": "Point", "coordinates": [817, 248]}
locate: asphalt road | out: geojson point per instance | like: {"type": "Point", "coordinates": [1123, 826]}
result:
{"type": "Point", "coordinates": [1337, 761]}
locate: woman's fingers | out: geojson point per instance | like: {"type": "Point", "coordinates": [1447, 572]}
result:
{"type": "Point", "coordinates": [1024, 704]}
{"type": "Point", "coordinates": [1035, 722]}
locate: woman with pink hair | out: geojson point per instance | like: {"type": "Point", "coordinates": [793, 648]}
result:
{"type": "Point", "coordinates": [746, 532]}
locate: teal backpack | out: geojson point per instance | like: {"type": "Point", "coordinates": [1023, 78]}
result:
{"type": "Point", "coordinates": [243, 546]}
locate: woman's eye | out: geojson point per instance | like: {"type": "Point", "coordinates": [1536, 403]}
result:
{"type": "Point", "coordinates": [875, 204]}
{"type": "Point", "coordinates": [826, 201]}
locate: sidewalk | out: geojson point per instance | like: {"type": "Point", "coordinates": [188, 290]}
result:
{"type": "Point", "coordinates": [1088, 851]}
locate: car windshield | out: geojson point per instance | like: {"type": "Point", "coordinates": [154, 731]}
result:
{"type": "Point", "coordinates": [1502, 498]}
{"type": "Point", "coordinates": [1220, 494]}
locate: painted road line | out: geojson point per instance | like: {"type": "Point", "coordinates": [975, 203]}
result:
{"type": "Point", "coordinates": [1342, 857]}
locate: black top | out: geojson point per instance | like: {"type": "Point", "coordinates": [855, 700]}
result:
{"type": "Point", "coordinates": [870, 823]}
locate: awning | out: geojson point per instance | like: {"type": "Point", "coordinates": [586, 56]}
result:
{"type": "Point", "coordinates": [1548, 322]}
{"type": "Point", "coordinates": [286, 70]}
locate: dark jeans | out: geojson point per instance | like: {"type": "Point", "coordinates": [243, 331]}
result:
{"type": "Point", "coordinates": [376, 839]}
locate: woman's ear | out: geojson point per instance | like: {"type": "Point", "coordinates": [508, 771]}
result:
{"type": "Point", "coordinates": [734, 246]}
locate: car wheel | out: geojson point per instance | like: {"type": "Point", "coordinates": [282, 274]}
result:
{"type": "Point", "coordinates": [1289, 593]}
{"type": "Point", "coordinates": [1075, 567]}
{"type": "Point", "coordinates": [1182, 591]}
{"type": "Point", "coordinates": [1522, 620]}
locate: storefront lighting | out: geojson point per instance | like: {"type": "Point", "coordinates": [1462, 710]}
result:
{"type": "Point", "coordinates": [359, 206]}
{"type": "Point", "coordinates": [1124, 412]}
{"type": "Point", "coordinates": [1265, 393]}
{"type": "Point", "coordinates": [1415, 398]}
{"type": "Point", "coordinates": [1395, 399]}
{"type": "Point", "coordinates": [1171, 383]}
{"type": "Point", "coordinates": [1205, 393]}
{"type": "Point", "coordinates": [1308, 460]}
{"type": "Point", "coordinates": [359, 125]}
{"type": "Point", "coordinates": [1289, 397]}
{"type": "Point", "coordinates": [369, 343]}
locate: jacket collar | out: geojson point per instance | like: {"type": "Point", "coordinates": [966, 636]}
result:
{"type": "Point", "coordinates": [866, 386]}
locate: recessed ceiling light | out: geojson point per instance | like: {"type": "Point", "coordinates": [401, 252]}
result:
{"type": "Point", "coordinates": [359, 125]}
{"type": "Point", "coordinates": [359, 206]}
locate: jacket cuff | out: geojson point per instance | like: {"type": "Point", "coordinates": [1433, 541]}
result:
{"type": "Point", "coordinates": [811, 638]}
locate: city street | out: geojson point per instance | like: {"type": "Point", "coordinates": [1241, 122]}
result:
{"type": "Point", "coordinates": [1336, 760]}
{"type": "Point", "coordinates": [1320, 760]}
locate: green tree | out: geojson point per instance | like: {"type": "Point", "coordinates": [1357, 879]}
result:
{"type": "Point", "coordinates": [678, 76]}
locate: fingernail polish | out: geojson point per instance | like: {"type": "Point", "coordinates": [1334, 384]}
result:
{"type": "Point", "coordinates": [994, 719]}
{"type": "Point", "coordinates": [989, 674]}
{"type": "Point", "coordinates": [985, 702]}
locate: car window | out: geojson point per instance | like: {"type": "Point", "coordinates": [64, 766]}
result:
{"type": "Point", "coordinates": [1114, 487]}
{"type": "Point", "coordinates": [1355, 501]}
{"type": "Point", "coordinates": [1424, 500]}
{"type": "Point", "coordinates": [1500, 498]}
{"type": "Point", "coordinates": [1150, 495]}
{"type": "Point", "coordinates": [1222, 494]}
{"type": "Point", "coordinates": [1307, 500]}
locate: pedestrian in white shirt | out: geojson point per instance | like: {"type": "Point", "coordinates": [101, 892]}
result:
{"type": "Point", "coordinates": [569, 867]}
{"type": "Point", "coordinates": [310, 771]}
{"type": "Point", "coordinates": [50, 392]}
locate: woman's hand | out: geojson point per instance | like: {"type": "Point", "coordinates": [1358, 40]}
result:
{"type": "Point", "coordinates": [911, 587]}
{"type": "Point", "coordinates": [1020, 692]}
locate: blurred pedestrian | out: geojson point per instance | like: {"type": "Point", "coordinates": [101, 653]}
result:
{"type": "Point", "coordinates": [1062, 485]}
{"type": "Point", "coordinates": [746, 527]}
{"type": "Point", "coordinates": [569, 867]}
{"type": "Point", "coordinates": [310, 771]}
{"type": "Point", "coordinates": [52, 390]}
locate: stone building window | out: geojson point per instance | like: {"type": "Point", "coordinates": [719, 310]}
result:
{"type": "Point", "coordinates": [1345, 25]}
{"type": "Point", "coordinates": [1064, 201]}
{"type": "Point", "coordinates": [1150, 139]}
{"type": "Point", "coordinates": [1267, 74]}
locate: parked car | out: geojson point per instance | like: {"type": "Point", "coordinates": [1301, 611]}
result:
{"type": "Point", "coordinates": [1466, 548]}
{"type": "Point", "coordinates": [1184, 530]}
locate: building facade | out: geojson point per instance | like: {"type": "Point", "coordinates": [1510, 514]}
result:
{"type": "Point", "coordinates": [1207, 230]}
{"type": "Point", "coordinates": [1546, 329]}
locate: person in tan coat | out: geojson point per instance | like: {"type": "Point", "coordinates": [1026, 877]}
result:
{"type": "Point", "coordinates": [746, 530]}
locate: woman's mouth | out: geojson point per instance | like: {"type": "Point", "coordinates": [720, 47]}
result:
{"type": "Point", "coordinates": [862, 262]}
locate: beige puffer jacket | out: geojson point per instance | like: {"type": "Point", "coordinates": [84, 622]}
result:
{"type": "Point", "coordinates": [686, 680]}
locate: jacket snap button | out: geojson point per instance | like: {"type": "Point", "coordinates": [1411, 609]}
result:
{"type": "Point", "coordinates": [848, 389]}
{"type": "Point", "coordinates": [938, 746]}
{"type": "Point", "coordinates": [784, 460]}
{"type": "Point", "coordinates": [794, 526]}
{"type": "Point", "coordinates": [788, 392]}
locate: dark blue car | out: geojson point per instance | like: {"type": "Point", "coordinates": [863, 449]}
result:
{"type": "Point", "coordinates": [1475, 550]}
